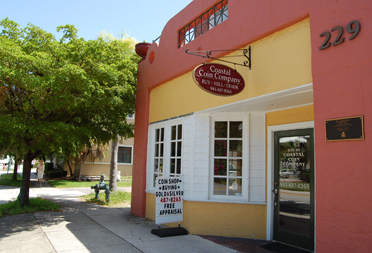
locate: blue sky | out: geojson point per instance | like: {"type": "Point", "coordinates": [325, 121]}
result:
{"type": "Point", "coordinates": [142, 19]}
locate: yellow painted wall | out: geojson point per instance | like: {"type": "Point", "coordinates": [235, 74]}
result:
{"type": "Point", "coordinates": [293, 115]}
{"type": "Point", "coordinates": [279, 62]}
{"type": "Point", "coordinates": [97, 169]}
{"type": "Point", "coordinates": [219, 219]}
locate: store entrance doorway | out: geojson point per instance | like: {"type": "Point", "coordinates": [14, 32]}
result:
{"type": "Point", "coordinates": [294, 187]}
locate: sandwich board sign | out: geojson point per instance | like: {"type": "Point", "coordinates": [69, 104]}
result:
{"type": "Point", "coordinates": [169, 200]}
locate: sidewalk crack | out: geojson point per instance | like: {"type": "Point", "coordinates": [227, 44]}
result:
{"type": "Point", "coordinates": [44, 233]}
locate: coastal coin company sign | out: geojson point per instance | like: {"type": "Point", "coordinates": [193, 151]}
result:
{"type": "Point", "coordinates": [218, 79]}
{"type": "Point", "coordinates": [169, 200]}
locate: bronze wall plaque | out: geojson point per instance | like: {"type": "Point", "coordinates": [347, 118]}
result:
{"type": "Point", "coordinates": [344, 129]}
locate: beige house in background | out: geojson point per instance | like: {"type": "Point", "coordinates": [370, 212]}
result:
{"type": "Point", "coordinates": [98, 167]}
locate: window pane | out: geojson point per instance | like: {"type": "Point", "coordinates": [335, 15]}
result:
{"type": "Point", "coordinates": [120, 154]}
{"type": "Point", "coordinates": [157, 135]}
{"type": "Point", "coordinates": [235, 187]}
{"type": "Point", "coordinates": [179, 148]}
{"type": "Point", "coordinates": [173, 166]}
{"type": "Point", "coordinates": [220, 148]}
{"type": "Point", "coordinates": [174, 133]}
{"type": "Point", "coordinates": [220, 130]}
{"type": "Point", "coordinates": [219, 187]}
{"type": "Point", "coordinates": [179, 137]}
{"type": "Point", "coordinates": [235, 167]}
{"type": "Point", "coordinates": [124, 155]}
{"type": "Point", "coordinates": [236, 129]}
{"type": "Point", "coordinates": [127, 155]}
{"type": "Point", "coordinates": [162, 134]}
{"type": "Point", "coordinates": [220, 167]}
{"type": "Point", "coordinates": [161, 165]}
{"type": "Point", "coordinates": [225, 13]}
{"type": "Point", "coordinates": [156, 150]}
{"type": "Point", "coordinates": [236, 148]}
{"type": "Point", "coordinates": [173, 149]}
{"type": "Point", "coordinates": [156, 165]}
{"type": "Point", "coordinates": [161, 150]}
{"type": "Point", "coordinates": [178, 166]}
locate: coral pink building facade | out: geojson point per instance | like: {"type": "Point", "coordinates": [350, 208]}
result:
{"type": "Point", "coordinates": [294, 85]}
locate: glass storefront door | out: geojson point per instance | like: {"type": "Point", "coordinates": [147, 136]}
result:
{"type": "Point", "coordinates": [294, 187]}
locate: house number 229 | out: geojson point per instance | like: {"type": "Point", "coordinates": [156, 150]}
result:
{"type": "Point", "coordinates": [353, 28]}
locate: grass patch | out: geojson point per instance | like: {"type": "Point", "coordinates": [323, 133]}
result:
{"type": "Point", "coordinates": [76, 184]}
{"type": "Point", "coordinates": [116, 199]}
{"type": "Point", "coordinates": [36, 205]}
{"type": "Point", "coordinates": [6, 179]}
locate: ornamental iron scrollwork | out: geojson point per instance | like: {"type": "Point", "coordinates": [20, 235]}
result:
{"type": "Point", "coordinates": [208, 54]}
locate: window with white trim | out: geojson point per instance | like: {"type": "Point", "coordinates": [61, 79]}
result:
{"type": "Point", "coordinates": [227, 157]}
{"type": "Point", "coordinates": [167, 151]}
{"type": "Point", "coordinates": [125, 154]}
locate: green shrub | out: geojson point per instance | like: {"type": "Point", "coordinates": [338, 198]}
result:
{"type": "Point", "coordinates": [54, 173]}
{"type": "Point", "coordinates": [48, 166]}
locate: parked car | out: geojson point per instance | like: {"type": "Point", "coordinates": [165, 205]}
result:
{"type": "Point", "coordinates": [286, 173]}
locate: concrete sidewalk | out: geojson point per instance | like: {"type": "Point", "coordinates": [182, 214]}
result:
{"type": "Point", "coordinates": [83, 227]}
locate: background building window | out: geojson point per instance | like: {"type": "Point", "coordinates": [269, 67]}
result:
{"type": "Point", "coordinates": [125, 155]}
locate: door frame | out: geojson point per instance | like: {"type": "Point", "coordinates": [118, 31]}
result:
{"type": "Point", "coordinates": [270, 174]}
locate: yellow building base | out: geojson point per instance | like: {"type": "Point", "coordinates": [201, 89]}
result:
{"type": "Point", "coordinates": [218, 219]}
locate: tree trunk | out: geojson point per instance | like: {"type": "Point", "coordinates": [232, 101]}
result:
{"type": "Point", "coordinates": [15, 172]}
{"type": "Point", "coordinates": [78, 166]}
{"type": "Point", "coordinates": [114, 167]}
{"type": "Point", "coordinates": [25, 198]}
{"type": "Point", "coordinates": [69, 166]}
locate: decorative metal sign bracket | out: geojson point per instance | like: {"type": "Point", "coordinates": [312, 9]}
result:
{"type": "Point", "coordinates": [208, 54]}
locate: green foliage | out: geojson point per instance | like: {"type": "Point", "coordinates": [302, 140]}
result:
{"type": "Point", "coordinates": [6, 179]}
{"type": "Point", "coordinates": [76, 184]}
{"type": "Point", "coordinates": [116, 199]}
{"type": "Point", "coordinates": [62, 95]}
{"type": "Point", "coordinates": [36, 205]}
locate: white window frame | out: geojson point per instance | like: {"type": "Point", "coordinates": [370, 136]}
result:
{"type": "Point", "coordinates": [131, 158]}
{"type": "Point", "coordinates": [167, 150]}
{"type": "Point", "coordinates": [245, 158]}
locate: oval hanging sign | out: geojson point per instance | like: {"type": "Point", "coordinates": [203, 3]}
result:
{"type": "Point", "coordinates": [218, 79]}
